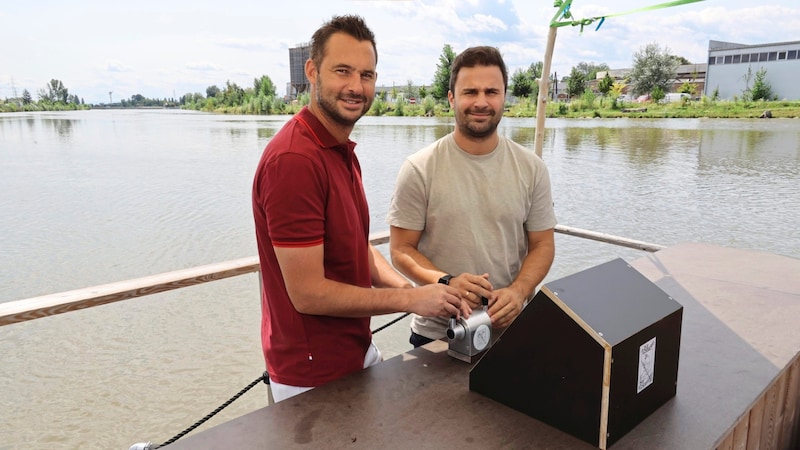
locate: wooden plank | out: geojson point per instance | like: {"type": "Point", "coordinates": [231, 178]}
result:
{"type": "Point", "coordinates": [791, 423]}
{"type": "Point", "coordinates": [768, 440]}
{"type": "Point", "coordinates": [49, 305]}
{"type": "Point", "coordinates": [756, 419]}
{"type": "Point", "coordinates": [740, 433]}
{"type": "Point", "coordinates": [781, 385]}
{"type": "Point", "coordinates": [727, 442]}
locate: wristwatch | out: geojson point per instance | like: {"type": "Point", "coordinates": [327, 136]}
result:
{"type": "Point", "coordinates": [445, 279]}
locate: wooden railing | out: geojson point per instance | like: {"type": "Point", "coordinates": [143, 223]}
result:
{"type": "Point", "coordinates": [62, 302]}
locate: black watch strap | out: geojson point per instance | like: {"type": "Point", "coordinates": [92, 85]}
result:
{"type": "Point", "coordinates": [445, 279]}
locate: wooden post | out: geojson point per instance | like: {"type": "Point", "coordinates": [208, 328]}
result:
{"type": "Point", "coordinates": [544, 87]}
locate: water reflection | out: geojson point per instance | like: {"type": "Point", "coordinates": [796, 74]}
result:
{"type": "Point", "coordinates": [61, 126]}
{"type": "Point", "coordinates": [750, 152]}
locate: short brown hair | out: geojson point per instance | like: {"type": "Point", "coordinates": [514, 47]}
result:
{"type": "Point", "coordinates": [350, 24]}
{"type": "Point", "coordinates": [478, 56]}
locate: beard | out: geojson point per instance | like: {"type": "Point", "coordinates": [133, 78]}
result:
{"type": "Point", "coordinates": [327, 103]}
{"type": "Point", "coordinates": [477, 130]}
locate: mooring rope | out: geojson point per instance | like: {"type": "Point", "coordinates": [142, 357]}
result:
{"type": "Point", "coordinates": [264, 377]}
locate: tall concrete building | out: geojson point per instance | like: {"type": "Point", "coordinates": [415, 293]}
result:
{"type": "Point", "coordinates": [298, 83]}
{"type": "Point", "coordinates": [732, 68]}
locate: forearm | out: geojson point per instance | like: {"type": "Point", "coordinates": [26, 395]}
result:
{"type": "Point", "coordinates": [414, 265]}
{"type": "Point", "coordinates": [383, 274]}
{"type": "Point", "coordinates": [534, 268]}
{"type": "Point", "coordinates": [327, 297]}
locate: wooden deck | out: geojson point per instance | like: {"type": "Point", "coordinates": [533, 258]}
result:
{"type": "Point", "coordinates": [738, 380]}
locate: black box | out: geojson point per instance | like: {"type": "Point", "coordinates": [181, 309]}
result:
{"type": "Point", "coordinates": [593, 354]}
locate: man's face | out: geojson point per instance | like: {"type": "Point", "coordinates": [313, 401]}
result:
{"type": "Point", "coordinates": [478, 100]}
{"type": "Point", "coordinates": [345, 81]}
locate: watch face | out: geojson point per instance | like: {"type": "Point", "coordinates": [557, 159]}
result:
{"type": "Point", "coordinates": [480, 340]}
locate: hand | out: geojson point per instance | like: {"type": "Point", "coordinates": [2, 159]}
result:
{"type": "Point", "coordinates": [472, 287]}
{"type": "Point", "coordinates": [436, 300]}
{"type": "Point", "coordinates": [504, 306]}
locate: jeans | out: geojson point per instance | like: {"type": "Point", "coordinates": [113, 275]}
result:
{"type": "Point", "coordinates": [418, 340]}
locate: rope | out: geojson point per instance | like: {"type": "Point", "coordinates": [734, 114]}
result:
{"type": "Point", "coordinates": [564, 13]}
{"type": "Point", "coordinates": [265, 378]}
{"type": "Point", "coordinates": [390, 323]}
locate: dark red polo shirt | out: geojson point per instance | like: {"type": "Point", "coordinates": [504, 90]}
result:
{"type": "Point", "coordinates": [308, 191]}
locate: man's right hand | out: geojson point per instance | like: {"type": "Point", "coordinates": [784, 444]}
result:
{"type": "Point", "coordinates": [436, 300]}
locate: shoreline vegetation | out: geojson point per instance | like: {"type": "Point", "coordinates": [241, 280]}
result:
{"type": "Point", "coordinates": [579, 108]}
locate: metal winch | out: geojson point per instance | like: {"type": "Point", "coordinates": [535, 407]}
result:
{"type": "Point", "coordinates": [470, 336]}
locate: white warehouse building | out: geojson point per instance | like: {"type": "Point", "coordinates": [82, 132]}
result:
{"type": "Point", "coordinates": [728, 65]}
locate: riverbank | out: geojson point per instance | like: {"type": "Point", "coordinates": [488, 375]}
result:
{"type": "Point", "coordinates": [679, 110]}
{"type": "Point", "coordinates": [598, 108]}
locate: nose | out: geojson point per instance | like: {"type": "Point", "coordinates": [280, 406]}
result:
{"type": "Point", "coordinates": [355, 83]}
{"type": "Point", "coordinates": [481, 100]}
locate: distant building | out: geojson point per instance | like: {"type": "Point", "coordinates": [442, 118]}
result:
{"type": "Point", "coordinates": [298, 83]}
{"type": "Point", "coordinates": [732, 68]}
{"type": "Point", "coordinates": [694, 74]}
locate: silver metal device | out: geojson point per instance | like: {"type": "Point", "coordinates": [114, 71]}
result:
{"type": "Point", "coordinates": [468, 337]}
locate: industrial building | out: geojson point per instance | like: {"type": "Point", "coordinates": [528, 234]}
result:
{"type": "Point", "coordinates": [732, 68]}
{"type": "Point", "coordinates": [298, 83]}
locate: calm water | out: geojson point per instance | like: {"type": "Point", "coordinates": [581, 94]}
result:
{"type": "Point", "coordinates": [95, 197]}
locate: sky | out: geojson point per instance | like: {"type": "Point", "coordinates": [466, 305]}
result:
{"type": "Point", "coordinates": [168, 48]}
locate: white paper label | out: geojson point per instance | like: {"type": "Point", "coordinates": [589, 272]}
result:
{"type": "Point", "coordinates": [647, 364]}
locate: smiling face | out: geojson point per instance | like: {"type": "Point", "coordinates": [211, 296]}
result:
{"type": "Point", "coordinates": [477, 101]}
{"type": "Point", "coordinates": [343, 86]}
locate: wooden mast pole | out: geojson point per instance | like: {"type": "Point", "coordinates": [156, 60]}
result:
{"type": "Point", "coordinates": [544, 90]}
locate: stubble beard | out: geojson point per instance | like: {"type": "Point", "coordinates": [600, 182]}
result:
{"type": "Point", "coordinates": [328, 105]}
{"type": "Point", "coordinates": [475, 130]}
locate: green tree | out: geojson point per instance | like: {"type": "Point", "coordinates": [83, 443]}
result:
{"type": "Point", "coordinates": [441, 79]}
{"type": "Point", "coordinates": [26, 97]}
{"type": "Point", "coordinates": [232, 95]}
{"type": "Point", "coordinates": [688, 88]}
{"type": "Point", "coordinates": [212, 91]}
{"type": "Point", "coordinates": [605, 84]}
{"type": "Point", "coordinates": [410, 91]}
{"type": "Point", "coordinates": [264, 86]}
{"type": "Point", "coordinates": [590, 69]}
{"type": "Point", "coordinates": [576, 83]}
{"type": "Point", "coordinates": [54, 92]}
{"type": "Point", "coordinates": [535, 71]}
{"type": "Point", "coordinates": [423, 92]}
{"type": "Point", "coordinates": [657, 94]}
{"type": "Point", "coordinates": [682, 61]}
{"type": "Point", "coordinates": [762, 89]}
{"type": "Point", "coordinates": [521, 84]}
{"type": "Point", "coordinates": [525, 83]}
{"type": "Point", "coordinates": [138, 100]}
{"type": "Point", "coordinates": [652, 67]}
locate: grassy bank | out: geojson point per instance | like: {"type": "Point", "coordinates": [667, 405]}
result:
{"type": "Point", "coordinates": [605, 108]}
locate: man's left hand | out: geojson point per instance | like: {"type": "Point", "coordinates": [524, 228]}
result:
{"type": "Point", "coordinates": [504, 306]}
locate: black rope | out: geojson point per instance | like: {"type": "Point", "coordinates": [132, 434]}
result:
{"type": "Point", "coordinates": [265, 379]}
{"type": "Point", "coordinates": [391, 323]}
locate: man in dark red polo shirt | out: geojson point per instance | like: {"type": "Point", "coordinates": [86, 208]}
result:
{"type": "Point", "coordinates": [322, 279]}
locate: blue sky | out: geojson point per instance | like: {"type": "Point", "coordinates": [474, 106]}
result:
{"type": "Point", "coordinates": [171, 47]}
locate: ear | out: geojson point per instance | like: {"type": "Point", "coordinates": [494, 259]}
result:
{"type": "Point", "coordinates": [311, 71]}
{"type": "Point", "coordinates": [451, 98]}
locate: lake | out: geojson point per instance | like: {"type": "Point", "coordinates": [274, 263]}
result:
{"type": "Point", "coordinates": [93, 197]}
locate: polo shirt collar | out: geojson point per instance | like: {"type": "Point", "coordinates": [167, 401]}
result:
{"type": "Point", "coordinates": [322, 135]}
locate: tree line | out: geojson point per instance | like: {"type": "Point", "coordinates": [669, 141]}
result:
{"type": "Point", "coordinates": [653, 73]}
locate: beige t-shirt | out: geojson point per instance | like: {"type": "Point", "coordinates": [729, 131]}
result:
{"type": "Point", "coordinates": [474, 211]}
